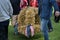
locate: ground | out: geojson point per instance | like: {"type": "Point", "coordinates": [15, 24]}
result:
{"type": "Point", "coordinates": [55, 35]}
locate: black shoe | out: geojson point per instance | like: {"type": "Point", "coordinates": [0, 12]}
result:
{"type": "Point", "coordinates": [50, 30]}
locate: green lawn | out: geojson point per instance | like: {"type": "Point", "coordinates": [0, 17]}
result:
{"type": "Point", "coordinates": [55, 35]}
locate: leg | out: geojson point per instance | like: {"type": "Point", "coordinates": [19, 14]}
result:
{"type": "Point", "coordinates": [44, 28]}
{"type": "Point", "coordinates": [50, 28]}
{"type": "Point", "coordinates": [14, 19]}
{"type": "Point", "coordinates": [4, 30]}
{"type": "Point", "coordinates": [14, 23]}
{"type": "Point", "coordinates": [15, 28]}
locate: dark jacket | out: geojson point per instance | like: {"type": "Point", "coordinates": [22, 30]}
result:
{"type": "Point", "coordinates": [16, 6]}
{"type": "Point", "coordinates": [46, 7]}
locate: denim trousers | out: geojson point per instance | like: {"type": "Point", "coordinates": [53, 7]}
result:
{"type": "Point", "coordinates": [49, 24]}
{"type": "Point", "coordinates": [4, 30]}
{"type": "Point", "coordinates": [44, 28]}
{"type": "Point", "coordinates": [16, 28]}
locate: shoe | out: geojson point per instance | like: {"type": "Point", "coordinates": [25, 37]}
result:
{"type": "Point", "coordinates": [15, 33]}
{"type": "Point", "coordinates": [50, 30]}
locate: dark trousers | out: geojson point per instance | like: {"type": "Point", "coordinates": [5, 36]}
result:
{"type": "Point", "coordinates": [4, 30]}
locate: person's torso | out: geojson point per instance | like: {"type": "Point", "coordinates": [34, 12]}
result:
{"type": "Point", "coordinates": [4, 10]}
{"type": "Point", "coordinates": [34, 3]}
{"type": "Point", "coordinates": [16, 6]}
{"type": "Point", "coordinates": [45, 9]}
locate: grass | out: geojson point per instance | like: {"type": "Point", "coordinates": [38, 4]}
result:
{"type": "Point", "coordinates": [55, 35]}
{"type": "Point", "coordinates": [56, 31]}
{"type": "Point", "coordinates": [37, 36]}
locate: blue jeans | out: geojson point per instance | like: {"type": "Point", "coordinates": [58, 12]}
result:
{"type": "Point", "coordinates": [16, 28]}
{"type": "Point", "coordinates": [49, 24]}
{"type": "Point", "coordinates": [44, 28]}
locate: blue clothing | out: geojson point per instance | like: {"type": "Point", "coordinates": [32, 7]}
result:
{"type": "Point", "coordinates": [49, 21]}
{"type": "Point", "coordinates": [16, 28]}
{"type": "Point", "coordinates": [45, 8]}
{"type": "Point", "coordinates": [44, 29]}
{"type": "Point", "coordinates": [45, 13]}
{"type": "Point", "coordinates": [49, 24]}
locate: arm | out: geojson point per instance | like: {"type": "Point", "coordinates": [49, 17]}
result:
{"type": "Point", "coordinates": [53, 2]}
{"type": "Point", "coordinates": [10, 9]}
{"type": "Point", "coordinates": [39, 6]}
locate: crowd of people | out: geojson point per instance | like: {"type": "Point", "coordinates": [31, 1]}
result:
{"type": "Point", "coordinates": [11, 8]}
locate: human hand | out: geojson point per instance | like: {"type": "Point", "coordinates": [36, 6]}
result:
{"type": "Point", "coordinates": [57, 13]}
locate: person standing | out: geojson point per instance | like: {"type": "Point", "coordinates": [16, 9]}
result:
{"type": "Point", "coordinates": [44, 13]}
{"type": "Point", "coordinates": [16, 10]}
{"type": "Point", "coordinates": [6, 12]}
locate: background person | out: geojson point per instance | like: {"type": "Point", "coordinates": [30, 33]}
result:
{"type": "Point", "coordinates": [6, 12]}
{"type": "Point", "coordinates": [44, 13]}
{"type": "Point", "coordinates": [16, 10]}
